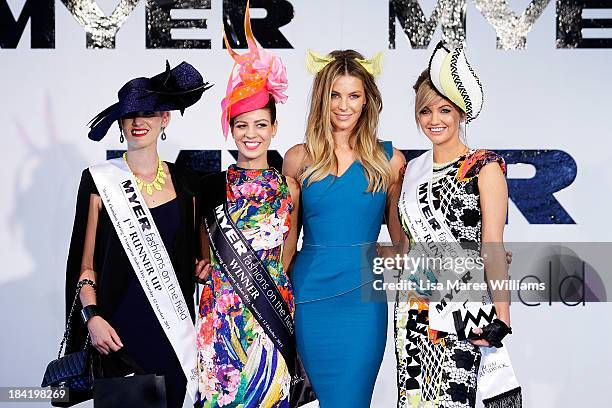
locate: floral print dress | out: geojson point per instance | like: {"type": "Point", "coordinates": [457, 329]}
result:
{"type": "Point", "coordinates": [238, 364]}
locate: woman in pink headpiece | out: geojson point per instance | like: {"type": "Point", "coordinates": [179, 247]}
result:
{"type": "Point", "coordinates": [246, 346]}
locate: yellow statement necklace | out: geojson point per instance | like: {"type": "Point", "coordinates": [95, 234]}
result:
{"type": "Point", "coordinates": [158, 181]}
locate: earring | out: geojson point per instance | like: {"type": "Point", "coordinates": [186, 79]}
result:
{"type": "Point", "coordinates": [121, 138]}
{"type": "Point", "coordinates": [163, 135]}
{"type": "Point", "coordinates": [463, 132]}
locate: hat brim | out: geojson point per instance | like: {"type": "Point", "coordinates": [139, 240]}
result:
{"type": "Point", "coordinates": [98, 131]}
{"type": "Point", "coordinates": [174, 89]}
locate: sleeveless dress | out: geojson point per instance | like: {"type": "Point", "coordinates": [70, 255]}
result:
{"type": "Point", "coordinates": [340, 327]}
{"type": "Point", "coordinates": [238, 364]}
{"type": "Point", "coordinates": [143, 337]}
{"type": "Point", "coordinates": [120, 297]}
{"type": "Point", "coordinates": [450, 364]}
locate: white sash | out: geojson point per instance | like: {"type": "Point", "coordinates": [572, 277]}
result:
{"type": "Point", "coordinates": [147, 253]}
{"type": "Point", "coordinates": [428, 228]}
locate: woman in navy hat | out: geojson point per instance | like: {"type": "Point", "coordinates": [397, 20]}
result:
{"type": "Point", "coordinates": [135, 274]}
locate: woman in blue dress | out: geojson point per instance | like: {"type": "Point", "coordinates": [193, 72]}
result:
{"type": "Point", "coordinates": [346, 174]}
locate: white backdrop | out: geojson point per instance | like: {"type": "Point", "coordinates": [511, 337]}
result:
{"type": "Point", "coordinates": [537, 98]}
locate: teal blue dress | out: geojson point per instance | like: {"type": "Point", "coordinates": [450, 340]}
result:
{"type": "Point", "coordinates": [341, 323]}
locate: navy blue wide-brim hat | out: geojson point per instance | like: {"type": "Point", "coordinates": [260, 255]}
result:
{"type": "Point", "coordinates": [173, 89]}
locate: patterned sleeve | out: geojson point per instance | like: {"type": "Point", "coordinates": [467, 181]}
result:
{"type": "Point", "coordinates": [490, 157]}
{"type": "Point", "coordinates": [471, 166]}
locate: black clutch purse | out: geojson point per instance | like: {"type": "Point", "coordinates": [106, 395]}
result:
{"type": "Point", "coordinates": [72, 371]}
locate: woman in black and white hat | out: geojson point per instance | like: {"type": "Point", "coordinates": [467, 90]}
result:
{"type": "Point", "coordinates": [452, 195]}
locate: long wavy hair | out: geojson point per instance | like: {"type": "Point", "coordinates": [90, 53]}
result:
{"type": "Point", "coordinates": [319, 141]}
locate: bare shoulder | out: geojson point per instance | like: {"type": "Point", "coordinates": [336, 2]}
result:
{"type": "Point", "coordinates": [294, 187]}
{"type": "Point", "coordinates": [492, 181]}
{"type": "Point", "coordinates": [491, 171]}
{"type": "Point", "coordinates": [397, 162]}
{"type": "Point", "coordinates": [296, 152]}
{"type": "Point", "coordinates": [398, 158]}
{"type": "Point", "coordinates": [294, 160]}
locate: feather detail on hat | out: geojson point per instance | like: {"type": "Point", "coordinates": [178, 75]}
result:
{"type": "Point", "coordinates": [256, 75]}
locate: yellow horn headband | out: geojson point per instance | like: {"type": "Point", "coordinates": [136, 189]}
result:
{"type": "Point", "coordinates": [316, 62]}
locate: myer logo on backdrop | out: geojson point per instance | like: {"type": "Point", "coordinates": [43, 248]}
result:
{"type": "Point", "coordinates": [574, 19]}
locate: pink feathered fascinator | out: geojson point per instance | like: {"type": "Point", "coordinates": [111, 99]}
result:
{"type": "Point", "coordinates": [260, 74]}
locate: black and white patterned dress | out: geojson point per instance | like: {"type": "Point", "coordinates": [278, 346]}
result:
{"type": "Point", "coordinates": [436, 369]}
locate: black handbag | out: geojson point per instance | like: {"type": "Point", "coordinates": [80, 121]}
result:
{"type": "Point", "coordinates": [73, 371]}
{"type": "Point", "coordinates": [140, 390]}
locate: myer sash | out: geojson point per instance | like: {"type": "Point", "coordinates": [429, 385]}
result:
{"type": "Point", "coordinates": [253, 283]}
{"type": "Point", "coordinates": [147, 253]}
{"type": "Point", "coordinates": [428, 226]}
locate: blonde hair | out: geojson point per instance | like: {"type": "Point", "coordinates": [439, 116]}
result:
{"type": "Point", "coordinates": [319, 141]}
{"type": "Point", "coordinates": [426, 93]}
